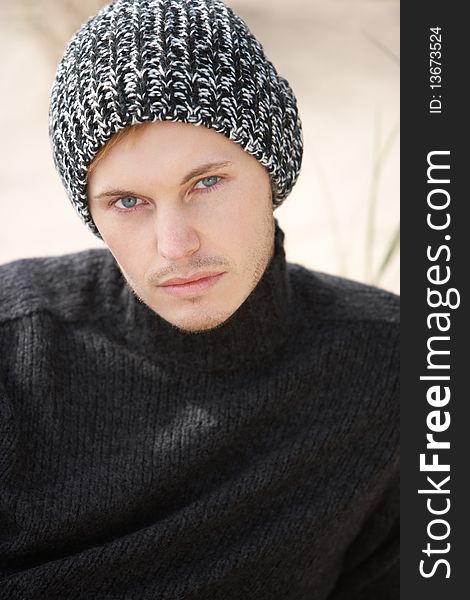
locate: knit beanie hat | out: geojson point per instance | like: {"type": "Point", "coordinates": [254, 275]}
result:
{"type": "Point", "coordinates": [192, 61]}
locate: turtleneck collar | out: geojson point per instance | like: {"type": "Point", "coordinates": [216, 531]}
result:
{"type": "Point", "coordinates": [254, 332]}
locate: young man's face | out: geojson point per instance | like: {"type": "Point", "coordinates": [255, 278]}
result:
{"type": "Point", "coordinates": [178, 201]}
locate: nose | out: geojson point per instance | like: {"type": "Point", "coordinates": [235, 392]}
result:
{"type": "Point", "coordinates": [176, 238]}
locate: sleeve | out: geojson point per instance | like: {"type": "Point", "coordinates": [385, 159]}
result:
{"type": "Point", "coordinates": [371, 566]}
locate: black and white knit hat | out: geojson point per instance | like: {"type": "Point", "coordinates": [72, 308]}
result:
{"type": "Point", "coordinates": [192, 61]}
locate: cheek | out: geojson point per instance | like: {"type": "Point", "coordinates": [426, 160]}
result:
{"type": "Point", "coordinates": [131, 256]}
{"type": "Point", "coordinates": [244, 207]}
{"type": "Point", "coordinates": [246, 234]}
{"type": "Point", "coordinates": [250, 215]}
{"type": "Point", "coordinates": [123, 234]}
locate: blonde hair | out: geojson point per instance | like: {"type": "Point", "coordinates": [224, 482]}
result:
{"type": "Point", "coordinates": [120, 135]}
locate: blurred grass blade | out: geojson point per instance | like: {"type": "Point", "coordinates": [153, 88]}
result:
{"type": "Point", "coordinates": [379, 161]}
{"type": "Point", "coordinates": [337, 240]}
{"type": "Point", "coordinates": [389, 254]}
{"type": "Point", "coordinates": [378, 44]}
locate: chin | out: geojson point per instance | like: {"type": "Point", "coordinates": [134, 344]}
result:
{"type": "Point", "coordinates": [198, 322]}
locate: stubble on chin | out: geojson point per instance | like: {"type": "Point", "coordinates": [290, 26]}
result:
{"type": "Point", "coordinates": [200, 322]}
{"type": "Point", "coordinates": [202, 319]}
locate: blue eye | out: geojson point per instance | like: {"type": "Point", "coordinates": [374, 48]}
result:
{"type": "Point", "coordinates": [207, 182]}
{"type": "Point", "coordinates": [128, 202]}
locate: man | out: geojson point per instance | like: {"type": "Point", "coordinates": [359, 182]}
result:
{"type": "Point", "coordinates": [184, 414]}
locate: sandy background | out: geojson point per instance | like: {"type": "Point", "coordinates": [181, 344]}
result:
{"type": "Point", "coordinates": [340, 57]}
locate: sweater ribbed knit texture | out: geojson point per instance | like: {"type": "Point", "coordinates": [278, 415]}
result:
{"type": "Point", "coordinates": [257, 461]}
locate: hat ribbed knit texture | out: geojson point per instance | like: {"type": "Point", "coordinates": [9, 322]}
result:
{"type": "Point", "coordinates": [191, 61]}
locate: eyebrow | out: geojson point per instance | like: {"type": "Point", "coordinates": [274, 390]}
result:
{"type": "Point", "coordinates": [200, 170]}
{"type": "Point", "coordinates": [203, 169]}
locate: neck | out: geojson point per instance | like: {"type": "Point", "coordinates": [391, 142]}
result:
{"type": "Point", "coordinates": [256, 330]}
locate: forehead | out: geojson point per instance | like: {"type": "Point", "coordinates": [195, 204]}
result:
{"type": "Point", "coordinates": [168, 155]}
{"type": "Point", "coordinates": [166, 147]}
{"type": "Point", "coordinates": [170, 137]}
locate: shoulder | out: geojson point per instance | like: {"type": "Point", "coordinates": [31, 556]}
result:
{"type": "Point", "coordinates": [348, 335]}
{"type": "Point", "coordinates": [68, 286]}
{"type": "Point", "coordinates": [354, 325]}
{"type": "Point", "coordinates": [331, 298]}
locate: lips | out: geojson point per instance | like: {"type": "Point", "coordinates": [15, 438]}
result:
{"type": "Point", "coordinates": [192, 278]}
{"type": "Point", "coordinates": [190, 287]}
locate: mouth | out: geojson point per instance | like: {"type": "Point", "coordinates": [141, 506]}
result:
{"type": "Point", "coordinates": [196, 284]}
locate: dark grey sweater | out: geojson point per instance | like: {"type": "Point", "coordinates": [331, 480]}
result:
{"type": "Point", "coordinates": [255, 461]}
